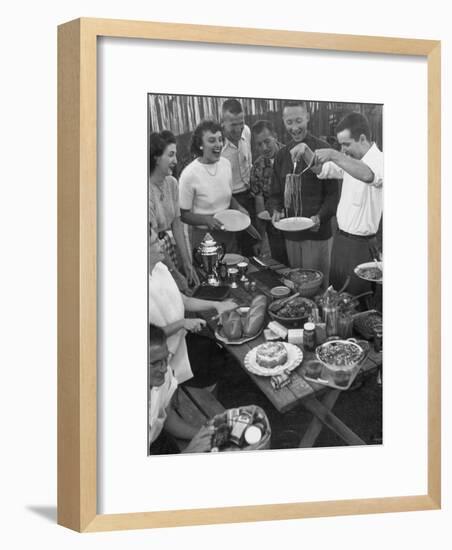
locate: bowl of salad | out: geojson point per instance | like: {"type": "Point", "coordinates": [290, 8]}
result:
{"type": "Point", "coordinates": [292, 313]}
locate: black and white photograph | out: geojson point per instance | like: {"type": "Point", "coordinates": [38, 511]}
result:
{"type": "Point", "coordinates": [265, 269]}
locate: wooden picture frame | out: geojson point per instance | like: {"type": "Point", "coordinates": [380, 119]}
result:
{"type": "Point", "coordinates": [77, 204]}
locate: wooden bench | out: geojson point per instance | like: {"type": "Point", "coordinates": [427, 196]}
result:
{"type": "Point", "coordinates": [196, 406]}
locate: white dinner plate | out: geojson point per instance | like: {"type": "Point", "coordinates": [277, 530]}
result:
{"type": "Point", "coordinates": [294, 358]}
{"type": "Point", "coordinates": [233, 220]}
{"type": "Point", "coordinates": [294, 224]}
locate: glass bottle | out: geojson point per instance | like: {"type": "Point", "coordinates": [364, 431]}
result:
{"type": "Point", "coordinates": [330, 314]}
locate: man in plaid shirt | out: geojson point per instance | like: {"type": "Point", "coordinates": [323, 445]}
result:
{"type": "Point", "coordinates": [267, 145]}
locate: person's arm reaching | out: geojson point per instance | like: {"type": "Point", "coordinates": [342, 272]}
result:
{"type": "Point", "coordinates": [177, 426]}
{"type": "Point", "coordinates": [200, 438]}
{"type": "Point", "coordinates": [196, 304]}
{"type": "Point", "coordinates": [190, 325]}
{"type": "Point", "coordinates": [356, 168]}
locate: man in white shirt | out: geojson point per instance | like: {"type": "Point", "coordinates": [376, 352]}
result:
{"type": "Point", "coordinates": [237, 149]}
{"type": "Point", "coordinates": [164, 422]}
{"type": "Point", "coordinates": [237, 145]}
{"type": "Point", "coordinates": [359, 212]}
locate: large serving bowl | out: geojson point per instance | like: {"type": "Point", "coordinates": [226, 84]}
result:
{"type": "Point", "coordinates": [293, 314]}
{"type": "Point", "coordinates": [342, 359]}
{"type": "Point", "coordinates": [306, 281]}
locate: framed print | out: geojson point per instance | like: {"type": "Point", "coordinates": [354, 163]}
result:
{"type": "Point", "coordinates": [152, 119]}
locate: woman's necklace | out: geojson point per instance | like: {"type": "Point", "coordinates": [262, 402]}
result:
{"type": "Point", "coordinates": [214, 173]}
{"type": "Point", "coordinates": [160, 187]}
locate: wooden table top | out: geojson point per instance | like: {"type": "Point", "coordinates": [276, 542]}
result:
{"type": "Point", "coordinates": [299, 389]}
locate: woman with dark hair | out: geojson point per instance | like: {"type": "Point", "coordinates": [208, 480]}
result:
{"type": "Point", "coordinates": [206, 187]}
{"type": "Point", "coordinates": [164, 212]}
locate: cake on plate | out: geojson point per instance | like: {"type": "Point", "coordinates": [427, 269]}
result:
{"type": "Point", "coordinates": [271, 355]}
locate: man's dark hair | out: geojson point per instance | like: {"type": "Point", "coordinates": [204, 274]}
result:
{"type": "Point", "coordinates": [262, 125]}
{"type": "Point", "coordinates": [295, 103]}
{"type": "Point", "coordinates": [356, 123]}
{"type": "Point", "coordinates": [158, 142]}
{"type": "Point", "coordinates": [196, 139]}
{"type": "Point", "coordinates": [157, 337]}
{"type": "Point", "coordinates": [233, 106]}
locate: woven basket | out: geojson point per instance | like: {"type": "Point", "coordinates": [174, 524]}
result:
{"type": "Point", "coordinates": [264, 443]}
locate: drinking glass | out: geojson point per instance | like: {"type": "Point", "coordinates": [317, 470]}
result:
{"type": "Point", "coordinates": [345, 325]}
{"type": "Point", "coordinates": [233, 273]}
{"type": "Point", "coordinates": [243, 268]}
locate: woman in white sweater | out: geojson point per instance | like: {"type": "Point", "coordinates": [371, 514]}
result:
{"type": "Point", "coordinates": [205, 187]}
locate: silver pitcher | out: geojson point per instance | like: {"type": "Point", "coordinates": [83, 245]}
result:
{"type": "Point", "coordinates": [208, 255]}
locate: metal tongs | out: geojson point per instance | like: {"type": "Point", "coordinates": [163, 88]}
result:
{"type": "Point", "coordinates": [308, 166]}
{"type": "Point", "coordinates": [304, 169]}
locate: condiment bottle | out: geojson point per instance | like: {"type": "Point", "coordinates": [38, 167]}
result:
{"type": "Point", "coordinates": [309, 336]}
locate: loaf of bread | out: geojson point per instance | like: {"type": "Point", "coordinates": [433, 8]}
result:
{"type": "Point", "coordinates": [232, 325]}
{"type": "Point", "coordinates": [255, 318]}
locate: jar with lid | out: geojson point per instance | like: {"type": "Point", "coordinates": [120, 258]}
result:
{"type": "Point", "coordinates": [309, 336]}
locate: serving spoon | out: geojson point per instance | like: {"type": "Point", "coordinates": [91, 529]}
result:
{"type": "Point", "coordinates": [276, 307]}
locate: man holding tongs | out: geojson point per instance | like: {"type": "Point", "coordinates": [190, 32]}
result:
{"type": "Point", "coordinates": [360, 165]}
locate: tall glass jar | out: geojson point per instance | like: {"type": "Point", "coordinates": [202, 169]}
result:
{"type": "Point", "coordinates": [330, 314]}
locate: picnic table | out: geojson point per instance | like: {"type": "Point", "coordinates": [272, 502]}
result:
{"type": "Point", "coordinates": [317, 399]}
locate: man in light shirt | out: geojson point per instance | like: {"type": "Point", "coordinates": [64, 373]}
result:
{"type": "Point", "coordinates": [237, 149]}
{"type": "Point", "coordinates": [360, 165]}
{"type": "Point", "coordinates": [164, 423]}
